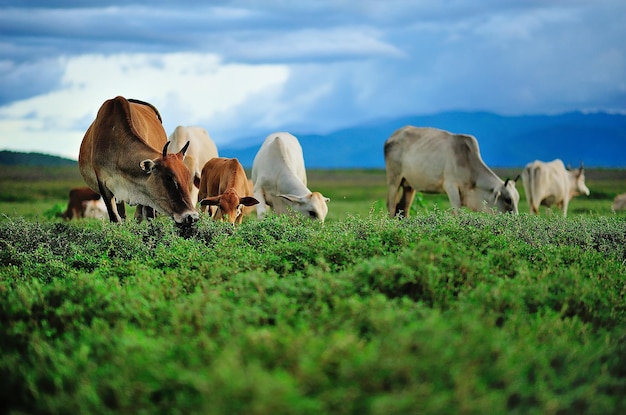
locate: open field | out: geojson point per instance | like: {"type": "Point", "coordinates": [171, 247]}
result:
{"type": "Point", "coordinates": [436, 313]}
{"type": "Point", "coordinates": [30, 192]}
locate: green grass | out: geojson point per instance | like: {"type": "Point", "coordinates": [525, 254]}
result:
{"type": "Point", "coordinates": [436, 313]}
{"type": "Point", "coordinates": [31, 192]}
{"type": "Point", "coordinates": [475, 313]}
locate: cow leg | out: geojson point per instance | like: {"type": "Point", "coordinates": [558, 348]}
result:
{"type": "Point", "coordinates": [150, 213]}
{"type": "Point", "coordinates": [139, 213]}
{"type": "Point", "coordinates": [109, 202]}
{"type": "Point", "coordinates": [144, 212]}
{"type": "Point", "coordinates": [261, 207]}
{"type": "Point", "coordinates": [121, 209]}
{"type": "Point", "coordinates": [392, 202]}
{"type": "Point", "coordinates": [454, 196]}
{"type": "Point", "coordinates": [408, 193]}
{"type": "Point", "coordinates": [394, 196]}
{"type": "Point", "coordinates": [563, 206]}
{"type": "Point", "coordinates": [406, 199]}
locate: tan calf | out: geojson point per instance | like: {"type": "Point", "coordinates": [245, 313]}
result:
{"type": "Point", "coordinates": [224, 185]}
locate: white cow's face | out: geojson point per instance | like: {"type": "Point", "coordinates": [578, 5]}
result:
{"type": "Point", "coordinates": [581, 187]}
{"type": "Point", "coordinates": [506, 197]}
{"type": "Point", "coordinates": [314, 205]}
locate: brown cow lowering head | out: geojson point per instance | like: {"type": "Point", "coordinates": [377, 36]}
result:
{"type": "Point", "coordinates": [229, 205]}
{"type": "Point", "coordinates": [168, 184]}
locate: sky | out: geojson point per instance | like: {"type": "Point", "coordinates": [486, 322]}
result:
{"type": "Point", "coordinates": [243, 69]}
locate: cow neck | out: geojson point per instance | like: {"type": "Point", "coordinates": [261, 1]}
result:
{"type": "Point", "coordinates": [288, 179]}
{"type": "Point", "coordinates": [140, 151]}
{"type": "Point", "coordinates": [485, 177]}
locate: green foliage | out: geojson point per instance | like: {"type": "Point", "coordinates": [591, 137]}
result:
{"type": "Point", "coordinates": [363, 314]}
{"type": "Point", "coordinates": [434, 313]}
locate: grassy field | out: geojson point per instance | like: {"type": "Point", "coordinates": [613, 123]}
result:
{"type": "Point", "coordinates": [31, 192]}
{"type": "Point", "coordinates": [437, 314]}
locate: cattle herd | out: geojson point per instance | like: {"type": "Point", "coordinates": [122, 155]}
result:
{"type": "Point", "coordinates": [126, 157]}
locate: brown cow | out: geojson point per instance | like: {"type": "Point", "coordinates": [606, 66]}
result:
{"type": "Point", "coordinates": [82, 201]}
{"type": "Point", "coordinates": [120, 159]}
{"type": "Point", "coordinates": [224, 184]}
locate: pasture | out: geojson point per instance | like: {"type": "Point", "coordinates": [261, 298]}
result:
{"type": "Point", "coordinates": [363, 314]}
{"type": "Point", "coordinates": [31, 192]}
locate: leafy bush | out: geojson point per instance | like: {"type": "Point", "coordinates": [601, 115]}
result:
{"type": "Point", "coordinates": [434, 313]}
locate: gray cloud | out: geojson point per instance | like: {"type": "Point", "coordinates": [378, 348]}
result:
{"type": "Point", "coordinates": [349, 61]}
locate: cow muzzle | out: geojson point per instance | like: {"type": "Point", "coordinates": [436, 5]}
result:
{"type": "Point", "coordinates": [187, 218]}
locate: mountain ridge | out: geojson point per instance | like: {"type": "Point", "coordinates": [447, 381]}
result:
{"type": "Point", "coordinates": [598, 139]}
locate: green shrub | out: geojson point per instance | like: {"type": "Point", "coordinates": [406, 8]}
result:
{"type": "Point", "coordinates": [434, 313]}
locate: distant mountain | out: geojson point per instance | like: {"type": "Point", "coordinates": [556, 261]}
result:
{"type": "Point", "coordinates": [597, 139]}
{"type": "Point", "coordinates": [10, 158]}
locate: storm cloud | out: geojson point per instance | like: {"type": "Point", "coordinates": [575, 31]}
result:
{"type": "Point", "coordinates": [246, 68]}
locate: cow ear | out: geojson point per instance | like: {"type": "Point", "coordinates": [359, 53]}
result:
{"type": "Point", "coordinates": [147, 166]}
{"type": "Point", "coordinates": [293, 198]}
{"type": "Point", "coordinates": [211, 201]}
{"type": "Point", "coordinates": [248, 201]}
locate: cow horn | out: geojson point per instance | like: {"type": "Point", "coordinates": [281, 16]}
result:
{"type": "Point", "coordinates": [165, 148]}
{"type": "Point", "coordinates": [506, 181]}
{"type": "Point", "coordinates": [184, 149]}
{"type": "Point", "coordinates": [582, 166]}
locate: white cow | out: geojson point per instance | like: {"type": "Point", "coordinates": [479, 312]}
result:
{"type": "Point", "coordinates": [619, 203]}
{"type": "Point", "coordinates": [95, 209]}
{"type": "Point", "coordinates": [435, 161]}
{"type": "Point", "coordinates": [279, 179]}
{"type": "Point", "coordinates": [550, 183]}
{"type": "Point", "coordinates": [201, 149]}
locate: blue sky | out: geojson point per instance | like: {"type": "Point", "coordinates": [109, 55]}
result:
{"type": "Point", "coordinates": [248, 68]}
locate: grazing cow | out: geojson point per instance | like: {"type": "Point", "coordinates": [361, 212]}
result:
{"type": "Point", "coordinates": [201, 150]}
{"type": "Point", "coordinates": [119, 158]}
{"type": "Point", "coordinates": [435, 161]}
{"type": "Point", "coordinates": [550, 183]}
{"type": "Point", "coordinates": [619, 203]}
{"type": "Point", "coordinates": [279, 179]}
{"type": "Point", "coordinates": [224, 184]}
{"type": "Point", "coordinates": [84, 203]}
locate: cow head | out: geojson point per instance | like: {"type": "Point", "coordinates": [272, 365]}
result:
{"type": "Point", "coordinates": [229, 205]}
{"type": "Point", "coordinates": [312, 205]}
{"type": "Point", "coordinates": [581, 187]}
{"type": "Point", "coordinates": [167, 185]}
{"type": "Point", "coordinates": [506, 197]}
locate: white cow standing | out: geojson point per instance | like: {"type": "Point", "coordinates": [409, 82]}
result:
{"type": "Point", "coordinates": [550, 183]}
{"type": "Point", "coordinates": [279, 179]}
{"type": "Point", "coordinates": [619, 203]}
{"type": "Point", "coordinates": [435, 161]}
{"type": "Point", "coordinates": [201, 149]}
{"type": "Point", "coordinates": [95, 209]}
